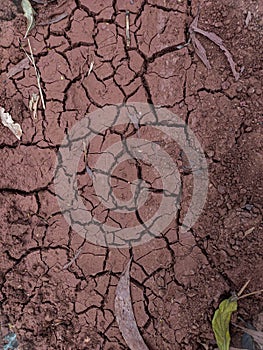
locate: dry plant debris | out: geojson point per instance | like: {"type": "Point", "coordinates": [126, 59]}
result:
{"type": "Point", "coordinates": [127, 21]}
{"type": "Point", "coordinates": [19, 67]}
{"type": "Point", "coordinates": [124, 313]}
{"type": "Point", "coordinates": [200, 50]}
{"type": "Point", "coordinates": [29, 14]}
{"type": "Point", "coordinates": [33, 103]}
{"type": "Point", "coordinates": [10, 124]}
{"type": "Point", "coordinates": [90, 67]}
{"type": "Point", "coordinates": [66, 266]}
{"type": "Point", "coordinates": [255, 334]}
{"type": "Point", "coordinates": [55, 19]}
{"type": "Point", "coordinates": [32, 60]}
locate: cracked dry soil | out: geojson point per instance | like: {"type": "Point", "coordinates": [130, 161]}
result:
{"type": "Point", "coordinates": [177, 280]}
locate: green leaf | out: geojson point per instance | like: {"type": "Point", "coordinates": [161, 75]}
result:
{"type": "Point", "coordinates": [221, 320]}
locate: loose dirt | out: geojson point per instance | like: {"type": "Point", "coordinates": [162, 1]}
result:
{"type": "Point", "coordinates": [177, 280]}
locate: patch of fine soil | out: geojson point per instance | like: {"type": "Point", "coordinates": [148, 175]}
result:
{"type": "Point", "coordinates": [177, 280]}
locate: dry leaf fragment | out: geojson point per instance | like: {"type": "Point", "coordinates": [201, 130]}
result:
{"type": "Point", "coordinates": [56, 19]}
{"type": "Point", "coordinates": [29, 14]}
{"type": "Point", "coordinates": [247, 340]}
{"type": "Point", "coordinates": [215, 39]}
{"type": "Point", "coordinates": [124, 313]}
{"type": "Point", "coordinates": [257, 335]}
{"type": "Point", "coordinates": [90, 67]}
{"type": "Point", "coordinates": [10, 124]}
{"type": "Point", "coordinates": [23, 64]}
{"type": "Point", "coordinates": [200, 51]}
{"type": "Point", "coordinates": [248, 18]}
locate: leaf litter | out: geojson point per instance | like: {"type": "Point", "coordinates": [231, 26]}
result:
{"type": "Point", "coordinates": [124, 313]}
{"type": "Point", "coordinates": [10, 124]}
{"type": "Point", "coordinates": [255, 334]}
{"type": "Point", "coordinates": [200, 50]}
{"type": "Point", "coordinates": [19, 67]}
{"type": "Point", "coordinates": [55, 19]}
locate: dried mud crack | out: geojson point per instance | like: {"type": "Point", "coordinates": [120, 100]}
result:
{"type": "Point", "coordinates": [53, 297]}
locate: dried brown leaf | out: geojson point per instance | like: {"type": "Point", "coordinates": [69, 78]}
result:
{"type": "Point", "coordinates": [215, 39]}
{"type": "Point", "coordinates": [257, 335]}
{"type": "Point", "coordinates": [10, 124]}
{"type": "Point", "coordinates": [55, 19]}
{"type": "Point", "coordinates": [124, 313]}
{"type": "Point", "coordinates": [200, 51]}
{"type": "Point", "coordinates": [19, 67]}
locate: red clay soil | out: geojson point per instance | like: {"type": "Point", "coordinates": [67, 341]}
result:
{"type": "Point", "coordinates": [177, 280]}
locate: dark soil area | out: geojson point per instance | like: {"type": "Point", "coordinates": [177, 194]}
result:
{"type": "Point", "coordinates": [177, 279]}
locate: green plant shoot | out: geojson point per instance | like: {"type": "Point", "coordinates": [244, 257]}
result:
{"type": "Point", "coordinates": [221, 320]}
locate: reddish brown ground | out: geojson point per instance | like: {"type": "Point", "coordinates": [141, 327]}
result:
{"type": "Point", "coordinates": [177, 281]}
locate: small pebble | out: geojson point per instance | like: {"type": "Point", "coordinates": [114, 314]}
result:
{"type": "Point", "coordinates": [210, 153]}
{"type": "Point", "coordinates": [248, 207]}
{"type": "Point", "coordinates": [225, 85]}
{"type": "Point", "coordinates": [250, 91]}
{"type": "Point", "coordinates": [221, 189]}
{"type": "Point", "coordinates": [218, 24]}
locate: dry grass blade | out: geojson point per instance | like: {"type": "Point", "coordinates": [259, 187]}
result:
{"type": "Point", "coordinates": [127, 21]}
{"type": "Point", "coordinates": [124, 313]}
{"type": "Point", "coordinates": [243, 288]}
{"type": "Point", "coordinates": [32, 60]}
{"type": "Point", "coordinates": [250, 294]}
{"type": "Point", "coordinates": [215, 39]}
{"type": "Point", "coordinates": [66, 266]}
